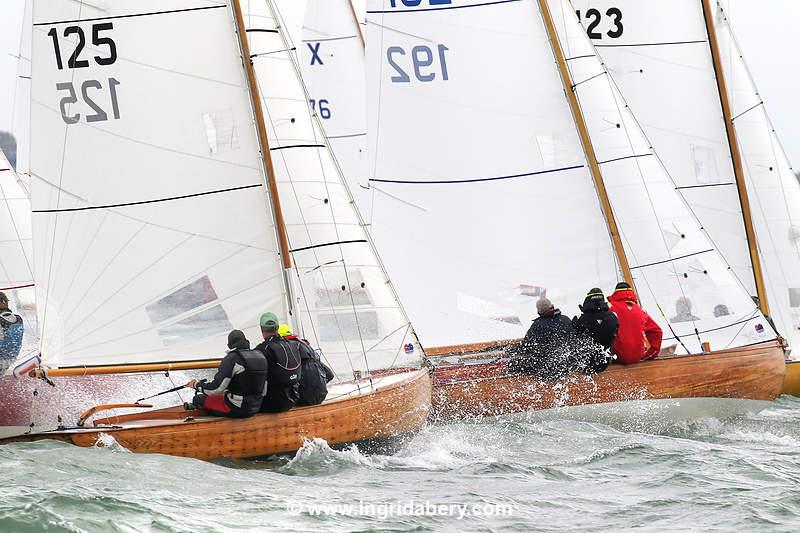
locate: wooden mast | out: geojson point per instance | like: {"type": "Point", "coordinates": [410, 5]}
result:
{"type": "Point", "coordinates": [591, 158]}
{"type": "Point", "coordinates": [261, 128]}
{"type": "Point", "coordinates": [358, 26]}
{"type": "Point", "coordinates": [736, 157]}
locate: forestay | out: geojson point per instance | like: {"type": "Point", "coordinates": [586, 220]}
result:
{"type": "Point", "coordinates": [483, 199]}
{"type": "Point", "coordinates": [332, 63]}
{"type": "Point", "coordinates": [153, 237]}
{"type": "Point", "coordinates": [771, 185]}
{"type": "Point", "coordinates": [675, 265]}
{"type": "Point", "coordinates": [343, 298]}
{"type": "Point", "coordinates": [658, 53]}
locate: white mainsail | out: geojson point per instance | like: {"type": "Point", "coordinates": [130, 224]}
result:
{"type": "Point", "coordinates": [344, 300]}
{"type": "Point", "coordinates": [524, 205]}
{"type": "Point", "coordinates": [152, 234]}
{"type": "Point", "coordinates": [331, 57]}
{"type": "Point", "coordinates": [674, 264]}
{"type": "Point", "coordinates": [772, 187]}
{"type": "Point", "coordinates": [486, 197]}
{"type": "Point", "coordinates": [666, 73]}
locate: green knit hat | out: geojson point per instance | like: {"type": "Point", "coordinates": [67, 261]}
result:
{"type": "Point", "coordinates": [269, 321]}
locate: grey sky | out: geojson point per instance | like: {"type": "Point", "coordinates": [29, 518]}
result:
{"type": "Point", "coordinates": [765, 29]}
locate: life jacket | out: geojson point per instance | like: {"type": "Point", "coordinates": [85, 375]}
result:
{"type": "Point", "coordinates": [250, 382]}
{"type": "Point", "coordinates": [283, 359]}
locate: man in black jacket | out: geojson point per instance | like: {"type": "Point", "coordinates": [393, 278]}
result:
{"type": "Point", "coordinates": [283, 362]}
{"type": "Point", "coordinates": [239, 384]}
{"type": "Point", "coordinates": [546, 349]}
{"type": "Point", "coordinates": [596, 330]}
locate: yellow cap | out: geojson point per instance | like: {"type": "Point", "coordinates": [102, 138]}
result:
{"type": "Point", "coordinates": [284, 330]}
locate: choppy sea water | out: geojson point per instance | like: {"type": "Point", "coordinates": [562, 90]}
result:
{"type": "Point", "coordinates": [646, 466]}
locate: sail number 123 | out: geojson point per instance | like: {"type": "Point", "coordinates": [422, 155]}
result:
{"type": "Point", "coordinates": [89, 89]}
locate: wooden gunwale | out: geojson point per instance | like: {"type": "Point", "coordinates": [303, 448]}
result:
{"type": "Point", "coordinates": [485, 389]}
{"type": "Point", "coordinates": [397, 409]}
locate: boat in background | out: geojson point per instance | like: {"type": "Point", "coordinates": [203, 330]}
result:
{"type": "Point", "coordinates": [576, 172]}
{"type": "Point", "coordinates": [688, 83]}
{"type": "Point", "coordinates": [179, 231]}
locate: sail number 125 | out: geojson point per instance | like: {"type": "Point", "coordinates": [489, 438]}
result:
{"type": "Point", "coordinates": [101, 43]}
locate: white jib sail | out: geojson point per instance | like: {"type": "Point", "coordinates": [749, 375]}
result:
{"type": "Point", "coordinates": [331, 57]}
{"type": "Point", "coordinates": [675, 265]}
{"type": "Point", "coordinates": [772, 187]}
{"type": "Point", "coordinates": [345, 302]}
{"type": "Point", "coordinates": [16, 256]}
{"type": "Point", "coordinates": [483, 201]}
{"type": "Point", "coordinates": [658, 53]}
{"type": "Point", "coordinates": [153, 236]}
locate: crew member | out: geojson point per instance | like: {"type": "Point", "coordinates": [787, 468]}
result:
{"type": "Point", "coordinates": [546, 349]}
{"type": "Point", "coordinates": [284, 364]}
{"type": "Point", "coordinates": [599, 326]}
{"type": "Point", "coordinates": [315, 375]}
{"type": "Point", "coordinates": [11, 332]}
{"type": "Point", "coordinates": [239, 385]}
{"type": "Point", "coordinates": [638, 337]}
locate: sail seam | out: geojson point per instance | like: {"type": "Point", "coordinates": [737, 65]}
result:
{"type": "Point", "coordinates": [671, 259]}
{"type": "Point", "coordinates": [747, 111]}
{"type": "Point", "coordinates": [482, 4]}
{"type": "Point", "coordinates": [171, 11]}
{"type": "Point", "coordinates": [346, 136]}
{"type": "Point", "coordinates": [704, 185]}
{"type": "Point", "coordinates": [667, 43]}
{"type": "Point", "coordinates": [343, 38]}
{"type": "Point", "coordinates": [157, 200]}
{"type": "Point", "coordinates": [476, 180]}
{"type": "Point", "coordinates": [634, 156]}
{"type": "Point", "coordinates": [274, 148]}
{"type": "Point", "coordinates": [326, 244]}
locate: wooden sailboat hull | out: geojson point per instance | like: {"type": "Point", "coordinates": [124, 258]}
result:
{"type": "Point", "coordinates": [791, 385]}
{"type": "Point", "coordinates": [399, 407]}
{"type": "Point", "coordinates": [484, 389]}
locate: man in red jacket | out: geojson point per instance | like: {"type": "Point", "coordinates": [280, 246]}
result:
{"type": "Point", "coordinates": [639, 337]}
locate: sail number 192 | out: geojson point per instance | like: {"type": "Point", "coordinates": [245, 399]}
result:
{"type": "Point", "coordinates": [106, 55]}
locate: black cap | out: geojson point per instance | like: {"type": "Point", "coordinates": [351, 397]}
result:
{"type": "Point", "coordinates": [236, 339]}
{"type": "Point", "coordinates": [3, 298]}
{"type": "Point", "coordinates": [622, 285]}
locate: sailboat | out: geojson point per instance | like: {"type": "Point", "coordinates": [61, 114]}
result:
{"type": "Point", "coordinates": [689, 85]}
{"type": "Point", "coordinates": [512, 164]}
{"type": "Point", "coordinates": [173, 199]}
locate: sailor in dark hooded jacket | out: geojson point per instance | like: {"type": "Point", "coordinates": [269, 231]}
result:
{"type": "Point", "coordinates": [239, 384]}
{"type": "Point", "coordinates": [547, 349]}
{"type": "Point", "coordinates": [284, 363]}
{"type": "Point", "coordinates": [598, 326]}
